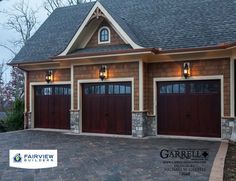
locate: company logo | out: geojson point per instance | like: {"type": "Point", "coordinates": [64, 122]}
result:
{"type": "Point", "coordinates": [17, 158]}
{"type": "Point", "coordinates": [188, 154]}
{"type": "Point", "coordinates": [33, 159]}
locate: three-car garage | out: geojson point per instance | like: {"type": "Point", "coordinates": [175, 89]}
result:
{"type": "Point", "coordinates": [186, 108]}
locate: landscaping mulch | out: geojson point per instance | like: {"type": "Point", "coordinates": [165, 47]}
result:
{"type": "Point", "coordinates": [230, 163]}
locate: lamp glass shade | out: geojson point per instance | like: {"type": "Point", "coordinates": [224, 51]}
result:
{"type": "Point", "coordinates": [103, 72]}
{"type": "Point", "coordinates": [48, 76]}
{"type": "Point", "coordinates": [186, 71]}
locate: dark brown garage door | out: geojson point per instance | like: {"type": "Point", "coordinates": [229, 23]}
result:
{"type": "Point", "coordinates": [106, 108]}
{"type": "Point", "coordinates": [52, 105]}
{"type": "Point", "coordinates": [190, 108]}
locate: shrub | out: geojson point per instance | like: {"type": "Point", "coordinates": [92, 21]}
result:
{"type": "Point", "coordinates": [2, 126]}
{"type": "Point", "coordinates": [15, 116]}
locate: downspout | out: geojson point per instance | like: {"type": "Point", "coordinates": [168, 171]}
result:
{"type": "Point", "coordinates": [26, 113]}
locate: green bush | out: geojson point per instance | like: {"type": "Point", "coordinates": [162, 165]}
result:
{"type": "Point", "coordinates": [15, 116]}
{"type": "Point", "coordinates": [2, 126]}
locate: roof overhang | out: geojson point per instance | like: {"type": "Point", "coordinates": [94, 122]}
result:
{"type": "Point", "coordinates": [223, 46]}
{"type": "Point", "coordinates": [131, 52]}
{"type": "Point", "coordinates": [140, 51]}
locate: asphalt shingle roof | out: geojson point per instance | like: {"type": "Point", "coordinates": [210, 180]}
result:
{"type": "Point", "coordinates": [166, 24]}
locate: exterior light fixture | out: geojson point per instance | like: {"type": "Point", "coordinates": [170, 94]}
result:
{"type": "Point", "coordinates": [186, 69]}
{"type": "Point", "coordinates": [48, 76]}
{"type": "Point", "coordinates": [103, 72]}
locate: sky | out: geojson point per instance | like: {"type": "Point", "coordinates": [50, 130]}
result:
{"type": "Point", "coordinates": [7, 35]}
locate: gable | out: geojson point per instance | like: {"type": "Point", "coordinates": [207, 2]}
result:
{"type": "Point", "coordinates": [97, 14]}
{"type": "Point", "coordinates": [115, 39]}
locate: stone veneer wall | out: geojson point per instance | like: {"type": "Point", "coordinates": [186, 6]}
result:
{"type": "Point", "coordinates": [151, 126]}
{"type": "Point", "coordinates": [228, 128]}
{"type": "Point", "coordinates": [75, 121]}
{"type": "Point", "coordinates": [143, 125]}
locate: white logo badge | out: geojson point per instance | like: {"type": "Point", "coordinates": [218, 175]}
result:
{"type": "Point", "coordinates": [33, 159]}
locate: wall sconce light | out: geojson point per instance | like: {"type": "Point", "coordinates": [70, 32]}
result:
{"type": "Point", "coordinates": [103, 72]}
{"type": "Point", "coordinates": [48, 76]}
{"type": "Point", "coordinates": [186, 71]}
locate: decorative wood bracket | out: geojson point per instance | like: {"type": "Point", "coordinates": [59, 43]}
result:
{"type": "Point", "coordinates": [97, 13]}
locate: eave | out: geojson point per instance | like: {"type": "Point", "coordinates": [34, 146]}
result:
{"type": "Point", "coordinates": [131, 52]}
{"type": "Point", "coordinates": [107, 54]}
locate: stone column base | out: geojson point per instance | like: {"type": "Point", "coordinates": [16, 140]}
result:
{"type": "Point", "coordinates": [151, 126]}
{"type": "Point", "coordinates": [27, 120]}
{"type": "Point", "coordinates": [228, 128]}
{"type": "Point", "coordinates": [143, 125]}
{"type": "Point", "coordinates": [138, 124]}
{"type": "Point", "coordinates": [75, 121]}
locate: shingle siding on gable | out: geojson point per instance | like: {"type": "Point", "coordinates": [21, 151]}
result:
{"type": "Point", "coordinates": [114, 37]}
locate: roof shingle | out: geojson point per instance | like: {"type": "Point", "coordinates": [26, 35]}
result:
{"type": "Point", "coordinates": [166, 24]}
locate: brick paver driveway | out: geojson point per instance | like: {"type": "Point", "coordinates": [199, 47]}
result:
{"type": "Point", "coordinates": [106, 158]}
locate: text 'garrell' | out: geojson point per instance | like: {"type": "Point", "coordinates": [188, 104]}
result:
{"type": "Point", "coordinates": [189, 154]}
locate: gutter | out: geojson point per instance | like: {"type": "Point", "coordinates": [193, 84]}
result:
{"type": "Point", "coordinates": [108, 53]}
{"type": "Point", "coordinates": [30, 62]}
{"type": "Point", "coordinates": [222, 46]}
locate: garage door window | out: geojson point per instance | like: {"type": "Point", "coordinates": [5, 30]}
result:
{"type": "Point", "coordinates": [52, 90]}
{"type": "Point", "coordinates": [176, 88]}
{"type": "Point", "coordinates": [109, 88]}
{"type": "Point", "coordinates": [204, 88]}
{"type": "Point", "coordinates": [119, 89]}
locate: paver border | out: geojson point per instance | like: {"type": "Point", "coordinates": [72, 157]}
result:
{"type": "Point", "coordinates": [217, 170]}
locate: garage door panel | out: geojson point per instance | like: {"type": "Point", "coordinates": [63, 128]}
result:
{"type": "Point", "coordinates": [95, 120]}
{"type": "Point", "coordinates": [106, 108]}
{"type": "Point", "coordinates": [194, 110]}
{"type": "Point", "coordinates": [118, 112]}
{"type": "Point", "coordinates": [52, 106]}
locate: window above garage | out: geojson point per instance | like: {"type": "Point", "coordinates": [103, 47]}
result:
{"type": "Point", "coordinates": [104, 35]}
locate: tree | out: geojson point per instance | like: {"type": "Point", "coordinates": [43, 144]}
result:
{"type": "Point", "coordinates": [22, 20]}
{"type": "Point", "coordinates": [51, 5]}
{"type": "Point", "coordinates": [2, 97]}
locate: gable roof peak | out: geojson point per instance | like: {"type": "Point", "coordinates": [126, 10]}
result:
{"type": "Point", "coordinates": [97, 11]}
